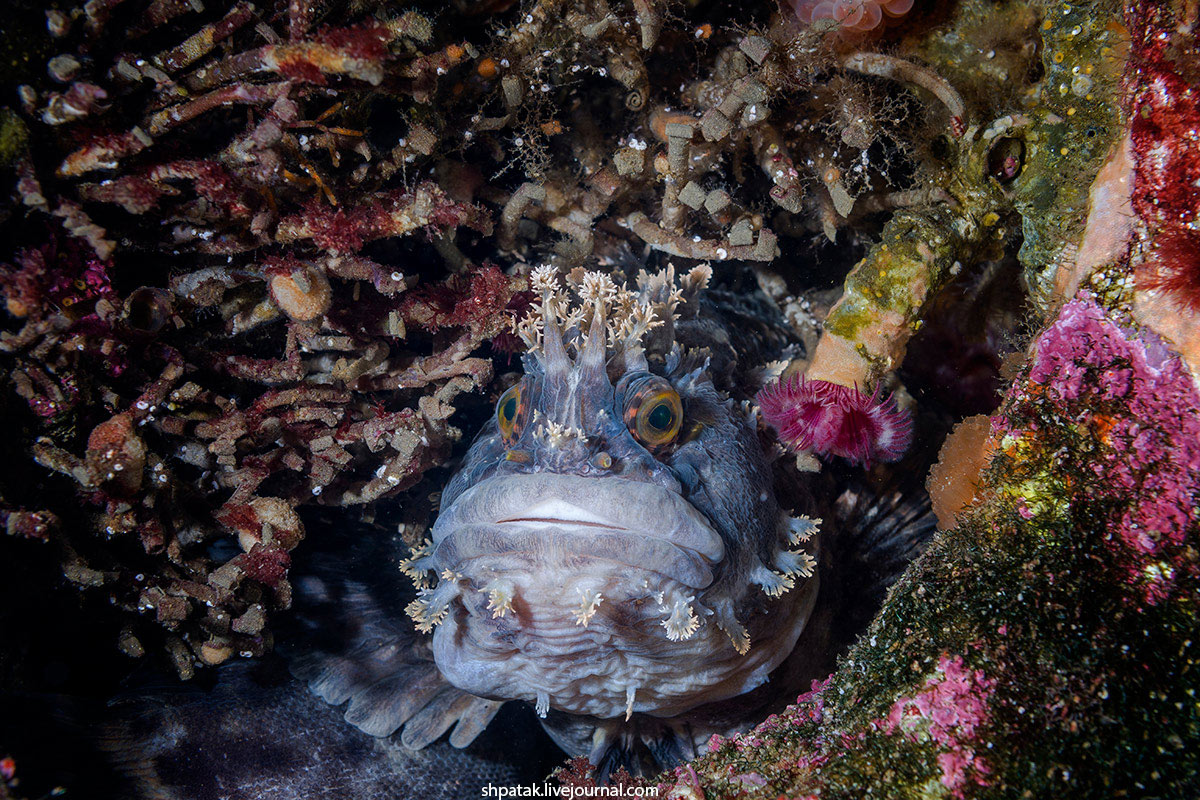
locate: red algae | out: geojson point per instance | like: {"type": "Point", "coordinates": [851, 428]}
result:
{"type": "Point", "coordinates": [1164, 117]}
{"type": "Point", "coordinates": [1138, 400]}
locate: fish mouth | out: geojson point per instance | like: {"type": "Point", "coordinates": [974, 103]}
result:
{"type": "Point", "coordinates": [587, 595]}
{"type": "Point", "coordinates": [531, 522]}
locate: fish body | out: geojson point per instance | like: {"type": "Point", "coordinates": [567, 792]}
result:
{"type": "Point", "coordinates": [613, 545]}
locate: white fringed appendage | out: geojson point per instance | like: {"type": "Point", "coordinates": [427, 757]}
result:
{"type": "Point", "coordinates": [590, 600]}
{"type": "Point", "coordinates": [773, 583]}
{"type": "Point", "coordinates": [727, 621]}
{"type": "Point", "coordinates": [418, 564]}
{"type": "Point", "coordinates": [681, 622]}
{"type": "Point", "coordinates": [432, 605]}
{"type": "Point", "coordinates": [500, 596]}
{"type": "Point", "coordinates": [628, 313]}
{"type": "Point", "coordinates": [802, 529]}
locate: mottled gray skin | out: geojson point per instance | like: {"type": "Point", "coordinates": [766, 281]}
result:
{"type": "Point", "coordinates": [247, 741]}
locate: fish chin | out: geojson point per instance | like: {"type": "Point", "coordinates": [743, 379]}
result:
{"type": "Point", "coordinates": [591, 596]}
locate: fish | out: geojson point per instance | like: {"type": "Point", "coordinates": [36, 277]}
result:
{"type": "Point", "coordinates": [624, 564]}
{"type": "Point", "coordinates": [612, 545]}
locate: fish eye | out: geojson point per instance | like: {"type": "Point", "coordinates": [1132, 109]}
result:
{"type": "Point", "coordinates": [508, 409]}
{"type": "Point", "coordinates": [653, 411]}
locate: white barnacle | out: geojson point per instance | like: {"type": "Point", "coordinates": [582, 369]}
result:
{"type": "Point", "coordinates": [773, 583]}
{"type": "Point", "coordinates": [500, 597]}
{"type": "Point", "coordinates": [418, 563]}
{"type": "Point", "coordinates": [432, 605]}
{"type": "Point", "coordinates": [739, 637]}
{"type": "Point", "coordinates": [794, 563]}
{"type": "Point", "coordinates": [556, 435]}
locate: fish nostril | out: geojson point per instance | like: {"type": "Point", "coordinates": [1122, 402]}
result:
{"type": "Point", "coordinates": [602, 460]}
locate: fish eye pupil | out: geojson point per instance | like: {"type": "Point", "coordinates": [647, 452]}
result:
{"type": "Point", "coordinates": [661, 417]}
{"type": "Point", "coordinates": [508, 409]}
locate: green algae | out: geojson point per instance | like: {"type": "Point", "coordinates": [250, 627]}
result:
{"type": "Point", "coordinates": [1059, 128]}
{"type": "Point", "coordinates": [13, 137]}
{"type": "Point", "coordinates": [1076, 121]}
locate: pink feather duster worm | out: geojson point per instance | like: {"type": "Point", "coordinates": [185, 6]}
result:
{"type": "Point", "coordinates": [836, 420]}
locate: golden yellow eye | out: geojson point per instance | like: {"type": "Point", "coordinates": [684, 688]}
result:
{"type": "Point", "coordinates": [653, 410]}
{"type": "Point", "coordinates": [508, 413]}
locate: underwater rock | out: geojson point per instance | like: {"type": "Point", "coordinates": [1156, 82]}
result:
{"type": "Point", "coordinates": [988, 673]}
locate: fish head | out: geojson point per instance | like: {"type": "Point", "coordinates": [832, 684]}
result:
{"type": "Point", "coordinates": [612, 543]}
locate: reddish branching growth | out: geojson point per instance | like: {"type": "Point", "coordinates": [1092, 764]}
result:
{"type": "Point", "coordinates": [836, 420]}
{"type": "Point", "coordinates": [1164, 116]}
{"type": "Point", "coordinates": [397, 213]}
{"type": "Point", "coordinates": [358, 51]}
{"type": "Point", "coordinates": [580, 776]}
{"type": "Point", "coordinates": [507, 341]}
{"type": "Point", "coordinates": [61, 274]}
{"type": "Point", "coordinates": [267, 565]}
{"type": "Point", "coordinates": [475, 303]}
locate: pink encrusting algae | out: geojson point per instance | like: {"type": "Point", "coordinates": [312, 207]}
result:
{"type": "Point", "coordinates": [1138, 400]}
{"type": "Point", "coordinates": [950, 711]}
{"type": "Point", "coordinates": [836, 420]}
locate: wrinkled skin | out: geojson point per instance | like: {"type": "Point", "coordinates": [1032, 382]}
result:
{"type": "Point", "coordinates": [686, 526]}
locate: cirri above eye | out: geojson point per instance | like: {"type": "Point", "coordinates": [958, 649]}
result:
{"type": "Point", "coordinates": [508, 413]}
{"type": "Point", "coordinates": [653, 410]}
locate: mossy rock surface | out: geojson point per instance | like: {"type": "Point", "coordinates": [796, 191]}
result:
{"type": "Point", "coordinates": [1046, 646]}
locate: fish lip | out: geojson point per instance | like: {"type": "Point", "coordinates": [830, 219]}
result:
{"type": "Point", "coordinates": [506, 548]}
{"type": "Point", "coordinates": [511, 511]}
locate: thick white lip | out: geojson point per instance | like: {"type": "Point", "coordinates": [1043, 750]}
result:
{"type": "Point", "coordinates": [634, 523]}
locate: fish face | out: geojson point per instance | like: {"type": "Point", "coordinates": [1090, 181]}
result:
{"type": "Point", "coordinates": [612, 543]}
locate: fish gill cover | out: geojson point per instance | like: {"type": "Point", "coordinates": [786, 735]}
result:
{"type": "Point", "coordinates": [263, 260]}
